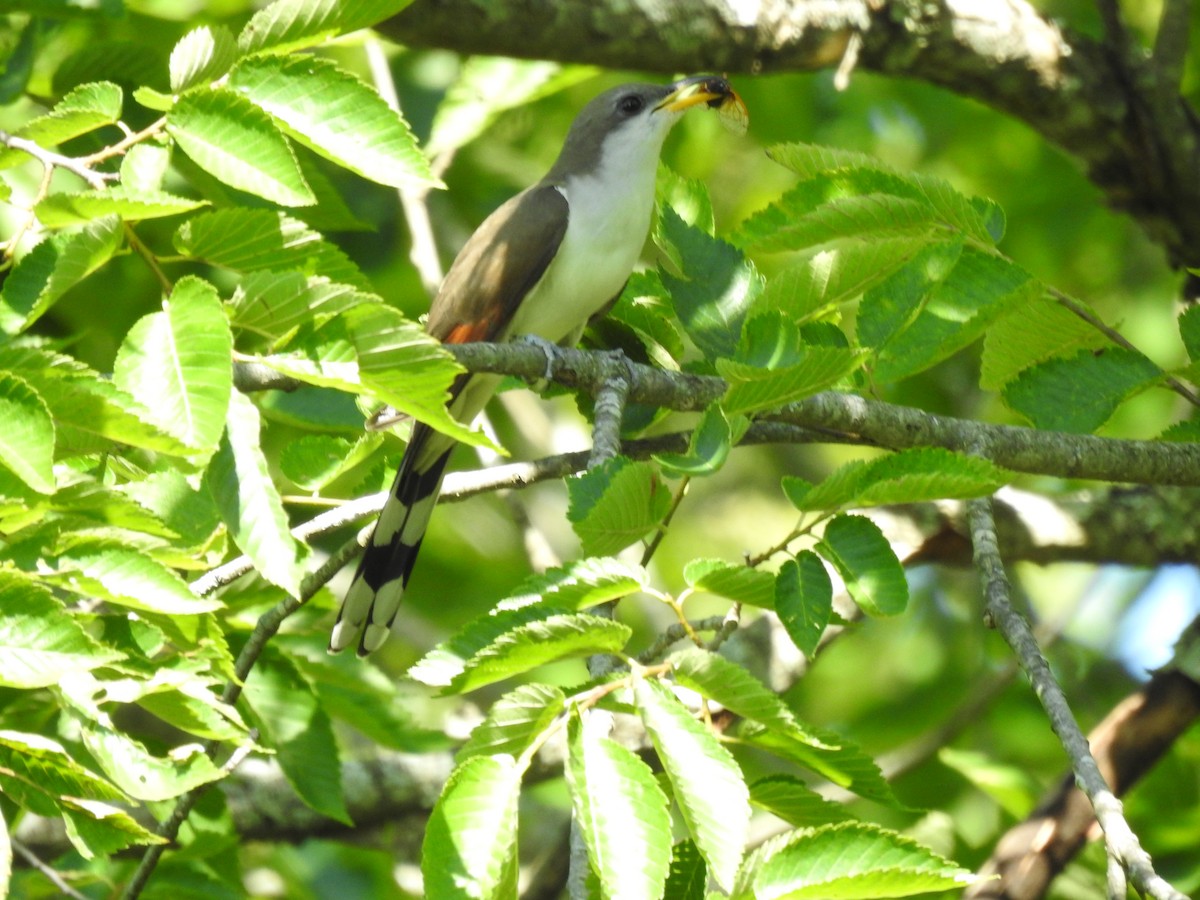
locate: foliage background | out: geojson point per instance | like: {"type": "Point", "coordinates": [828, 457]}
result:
{"type": "Point", "coordinates": [889, 683]}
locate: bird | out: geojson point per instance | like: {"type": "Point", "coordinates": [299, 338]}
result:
{"type": "Point", "coordinates": [540, 266]}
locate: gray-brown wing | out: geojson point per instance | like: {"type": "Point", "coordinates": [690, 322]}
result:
{"type": "Point", "coordinates": [498, 266]}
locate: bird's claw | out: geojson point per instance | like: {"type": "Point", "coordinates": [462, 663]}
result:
{"type": "Point", "coordinates": [549, 348]}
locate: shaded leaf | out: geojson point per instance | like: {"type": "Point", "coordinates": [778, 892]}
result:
{"type": "Point", "coordinates": [616, 503]}
{"type": "Point", "coordinates": [294, 725]}
{"type": "Point", "coordinates": [1079, 393]}
{"type": "Point", "coordinates": [717, 287]}
{"type": "Point", "coordinates": [52, 268]}
{"type": "Point", "coordinates": [737, 582]}
{"type": "Point", "coordinates": [863, 557]}
{"type": "Point", "coordinates": [804, 600]}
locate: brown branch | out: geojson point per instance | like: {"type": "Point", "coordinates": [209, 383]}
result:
{"type": "Point", "coordinates": [1127, 744]}
{"type": "Point", "coordinates": [1103, 106]}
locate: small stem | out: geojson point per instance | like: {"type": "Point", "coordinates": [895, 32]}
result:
{"type": "Point", "coordinates": [140, 248]}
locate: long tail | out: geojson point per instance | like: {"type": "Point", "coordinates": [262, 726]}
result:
{"type": "Point", "coordinates": [374, 596]}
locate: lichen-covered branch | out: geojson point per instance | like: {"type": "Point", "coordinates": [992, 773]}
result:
{"type": "Point", "coordinates": [1118, 113]}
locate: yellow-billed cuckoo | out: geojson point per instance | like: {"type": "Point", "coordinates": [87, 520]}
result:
{"type": "Point", "coordinates": [542, 264]}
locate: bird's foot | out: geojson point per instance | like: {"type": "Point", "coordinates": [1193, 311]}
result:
{"type": "Point", "coordinates": [549, 348]}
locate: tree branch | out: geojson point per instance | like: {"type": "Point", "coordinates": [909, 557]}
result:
{"type": "Point", "coordinates": [1073, 90]}
{"type": "Point", "coordinates": [1123, 845]}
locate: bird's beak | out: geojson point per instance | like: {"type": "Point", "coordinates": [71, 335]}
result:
{"type": "Point", "coordinates": [711, 90]}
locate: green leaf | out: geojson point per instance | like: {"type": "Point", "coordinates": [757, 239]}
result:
{"type": "Point", "coordinates": [236, 142]}
{"type": "Point", "coordinates": [178, 364]}
{"type": "Point", "coordinates": [202, 56]}
{"type": "Point", "coordinates": [250, 240]}
{"type": "Point", "coordinates": [621, 812]}
{"type": "Point", "coordinates": [907, 476]}
{"type": "Point", "coordinates": [533, 644]}
{"type": "Point", "coordinates": [615, 504]}
{"type": "Point", "coordinates": [294, 725]}
{"type": "Point", "coordinates": [644, 307]}
{"type": "Point", "coordinates": [52, 268]}
{"type": "Point", "coordinates": [142, 775]}
{"type": "Point", "coordinates": [513, 641]}
{"type": "Point", "coordinates": [730, 685]}
{"type": "Point", "coordinates": [274, 304]}
{"type": "Point", "coordinates": [980, 219]}
{"type": "Point", "coordinates": [837, 207]}
{"type": "Point", "coordinates": [27, 438]}
{"type": "Point", "coordinates": [718, 285]}
{"type": "Point", "coordinates": [334, 114]}
{"type": "Point", "coordinates": [471, 837]}
{"type": "Point", "coordinates": [817, 285]}
{"type": "Point", "coordinates": [1029, 334]}
{"type": "Point", "coordinates": [515, 722]}
{"type": "Point", "coordinates": [131, 205]}
{"type": "Point", "coordinates": [100, 829]}
{"type": "Point", "coordinates": [36, 773]}
{"type": "Point", "coordinates": [287, 25]}
{"type": "Point", "coordinates": [835, 758]}
{"type": "Point", "coordinates": [1013, 788]}
{"type": "Point", "coordinates": [688, 197]}
{"type": "Point", "coordinates": [708, 447]}
{"type": "Point", "coordinates": [314, 460]}
{"type": "Point", "coordinates": [85, 405]}
{"type": "Point", "coordinates": [579, 584]}
{"type": "Point", "coordinates": [1078, 394]}
{"type": "Point", "coordinates": [39, 642]}
{"type": "Point", "coordinates": [955, 312]}
{"type": "Point", "coordinates": [795, 802]}
{"type": "Point", "coordinates": [688, 878]}
{"type": "Point", "coordinates": [239, 480]}
{"type": "Point", "coordinates": [129, 578]}
{"type": "Point", "coordinates": [804, 600]}
{"type": "Point", "coordinates": [83, 109]}
{"type": "Point", "coordinates": [406, 368]}
{"type": "Point", "coordinates": [892, 305]}
{"type": "Point", "coordinates": [865, 560]}
{"type": "Point", "coordinates": [1189, 331]}
{"type": "Point", "coordinates": [855, 860]}
{"type": "Point", "coordinates": [707, 783]}
{"type": "Point", "coordinates": [754, 389]}
{"type": "Point", "coordinates": [486, 87]}
{"type": "Point", "coordinates": [737, 582]}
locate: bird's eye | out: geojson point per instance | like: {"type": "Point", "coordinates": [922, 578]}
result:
{"type": "Point", "coordinates": [630, 104]}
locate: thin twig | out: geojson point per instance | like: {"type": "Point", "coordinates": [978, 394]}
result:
{"type": "Point", "coordinates": [51, 160]}
{"type": "Point", "coordinates": [131, 138]}
{"type": "Point", "coordinates": [1073, 305]}
{"type": "Point", "coordinates": [665, 524]}
{"type": "Point", "coordinates": [50, 875]}
{"type": "Point", "coordinates": [139, 247]}
{"type": "Point", "coordinates": [1120, 840]}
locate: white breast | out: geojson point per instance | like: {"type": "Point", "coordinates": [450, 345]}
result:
{"type": "Point", "coordinates": [607, 225]}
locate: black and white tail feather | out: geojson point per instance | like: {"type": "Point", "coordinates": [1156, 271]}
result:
{"type": "Point", "coordinates": [374, 596]}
